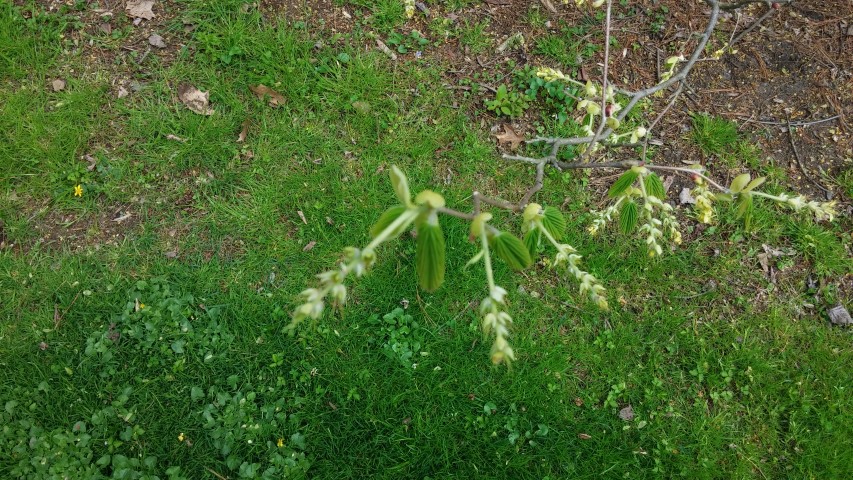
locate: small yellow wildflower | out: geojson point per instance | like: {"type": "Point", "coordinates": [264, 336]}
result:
{"type": "Point", "coordinates": [181, 437]}
{"type": "Point", "coordinates": [280, 442]}
{"type": "Point", "coordinates": [78, 191]}
{"type": "Point", "coordinates": [141, 306]}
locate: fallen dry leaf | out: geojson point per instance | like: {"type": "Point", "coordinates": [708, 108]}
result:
{"type": "Point", "coordinates": [175, 138]}
{"type": "Point", "coordinates": [310, 246]}
{"type": "Point", "coordinates": [106, 28]}
{"type": "Point", "coordinates": [627, 413]}
{"type": "Point", "coordinates": [140, 9]}
{"type": "Point", "coordinates": [122, 92]}
{"type": "Point", "coordinates": [584, 436]}
{"type": "Point", "coordinates": [195, 99]}
{"type": "Point", "coordinates": [302, 216]}
{"type": "Point", "coordinates": [171, 254]}
{"type": "Point", "coordinates": [156, 41]}
{"type": "Point", "coordinates": [58, 85]}
{"type": "Point", "coordinates": [511, 137]}
{"type": "Point", "coordinates": [244, 131]}
{"type": "Point", "coordinates": [262, 91]}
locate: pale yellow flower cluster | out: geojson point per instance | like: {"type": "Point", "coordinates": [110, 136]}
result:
{"type": "Point", "coordinates": [587, 283]}
{"type": "Point", "coordinates": [497, 321]}
{"type": "Point", "coordinates": [704, 202]}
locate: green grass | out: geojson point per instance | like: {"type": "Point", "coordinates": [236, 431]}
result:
{"type": "Point", "coordinates": [473, 35]}
{"type": "Point", "coordinates": [714, 135]}
{"type": "Point", "coordinates": [110, 351]}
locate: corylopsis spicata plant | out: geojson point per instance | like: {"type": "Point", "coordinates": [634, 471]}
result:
{"type": "Point", "coordinates": [638, 197]}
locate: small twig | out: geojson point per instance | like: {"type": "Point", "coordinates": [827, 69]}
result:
{"type": "Point", "coordinates": [215, 474]}
{"type": "Point", "coordinates": [688, 171]}
{"type": "Point", "coordinates": [800, 161]}
{"type": "Point", "coordinates": [58, 320]}
{"type": "Point", "coordinates": [457, 213]}
{"type": "Point", "coordinates": [743, 3]}
{"type": "Point", "coordinates": [540, 174]}
{"type": "Point", "coordinates": [603, 120]}
{"type": "Point", "coordinates": [754, 24]}
{"type": "Point", "coordinates": [800, 123]}
{"type": "Point", "coordinates": [659, 117]}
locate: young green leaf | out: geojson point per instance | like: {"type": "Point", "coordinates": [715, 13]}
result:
{"type": "Point", "coordinates": [531, 241]}
{"type": "Point", "coordinates": [754, 184]}
{"type": "Point", "coordinates": [739, 182]}
{"type": "Point", "coordinates": [554, 222]}
{"type": "Point", "coordinates": [511, 250]}
{"type": "Point", "coordinates": [401, 185]}
{"type": "Point", "coordinates": [744, 208]}
{"type": "Point", "coordinates": [654, 186]}
{"type": "Point", "coordinates": [628, 217]}
{"type": "Point", "coordinates": [622, 183]}
{"type": "Point", "coordinates": [430, 256]}
{"type": "Point", "coordinates": [476, 258]}
{"type": "Point", "coordinates": [387, 219]}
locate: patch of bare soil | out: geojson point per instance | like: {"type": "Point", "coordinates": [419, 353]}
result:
{"type": "Point", "coordinates": [81, 231]}
{"type": "Point", "coordinates": [796, 67]}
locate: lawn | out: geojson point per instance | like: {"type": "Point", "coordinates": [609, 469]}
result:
{"type": "Point", "coordinates": [143, 317]}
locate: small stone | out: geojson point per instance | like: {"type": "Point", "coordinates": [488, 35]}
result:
{"type": "Point", "coordinates": [156, 41]}
{"type": "Point", "coordinates": [839, 315]}
{"type": "Point", "coordinates": [627, 413]}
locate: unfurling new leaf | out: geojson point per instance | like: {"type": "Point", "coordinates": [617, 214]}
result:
{"type": "Point", "coordinates": [554, 222]}
{"type": "Point", "coordinates": [401, 185]}
{"type": "Point", "coordinates": [622, 183]}
{"type": "Point", "coordinates": [654, 186]}
{"type": "Point", "coordinates": [628, 217]}
{"type": "Point", "coordinates": [387, 219]}
{"type": "Point", "coordinates": [430, 255]}
{"type": "Point", "coordinates": [511, 250]}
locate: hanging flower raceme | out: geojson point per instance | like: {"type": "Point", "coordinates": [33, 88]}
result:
{"type": "Point", "coordinates": [549, 223]}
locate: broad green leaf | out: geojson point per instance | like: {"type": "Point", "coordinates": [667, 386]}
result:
{"type": "Point", "coordinates": [511, 250]}
{"type": "Point", "coordinates": [401, 185]}
{"type": "Point", "coordinates": [744, 203]}
{"type": "Point", "coordinates": [531, 241]}
{"type": "Point", "coordinates": [622, 183]}
{"type": "Point", "coordinates": [430, 256]}
{"type": "Point", "coordinates": [196, 393]}
{"type": "Point", "coordinates": [554, 222]}
{"type": "Point", "coordinates": [654, 186]}
{"type": "Point", "coordinates": [628, 217]}
{"type": "Point", "coordinates": [754, 184]}
{"type": "Point", "coordinates": [739, 182]}
{"type": "Point", "coordinates": [386, 219]}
